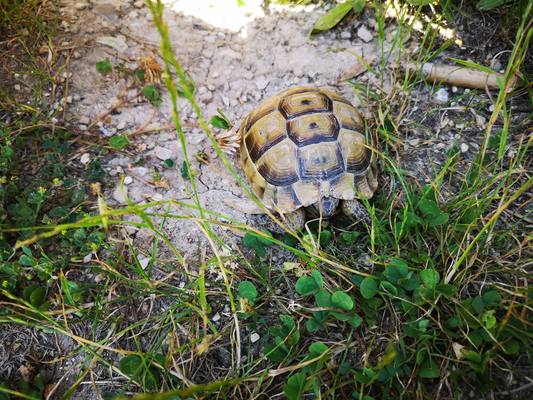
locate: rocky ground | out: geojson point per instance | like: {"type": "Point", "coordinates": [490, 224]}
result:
{"type": "Point", "coordinates": [237, 56]}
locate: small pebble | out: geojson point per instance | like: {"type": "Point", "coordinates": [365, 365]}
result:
{"type": "Point", "coordinates": [216, 317]}
{"type": "Point", "coordinates": [82, 5]}
{"type": "Point", "coordinates": [480, 121]}
{"type": "Point", "coordinates": [144, 261]}
{"type": "Point", "coordinates": [128, 180]}
{"type": "Point", "coordinates": [139, 4]}
{"type": "Point", "coordinates": [120, 194]}
{"type": "Point", "coordinates": [346, 35]}
{"type": "Point", "coordinates": [121, 125]}
{"type": "Point", "coordinates": [85, 158]}
{"type": "Point", "coordinates": [261, 82]}
{"type": "Point", "coordinates": [17, 87]}
{"type": "Point", "coordinates": [364, 34]}
{"type": "Point", "coordinates": [254, 337]}
{"type": "Point", "coordinates": [441, 96]}
{"type": "Point", "coordinates": [454, 89]}
{"type": "Point", "coordinates": [464, 147]}
{"type": "Point", "coordinates": [163, 153]}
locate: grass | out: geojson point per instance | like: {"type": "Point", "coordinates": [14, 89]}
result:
{"type": "Point", "coordinates": [431, 299]}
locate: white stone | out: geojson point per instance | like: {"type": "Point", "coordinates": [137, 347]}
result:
{"type": "Point", "coordinates": [120, 194]}
{"type": "Point", "coordinates": [144, 261]}
{"type": "Point", "coordinates": [454, 89]}
{"type": "Point", "coordinates": [81, 5]}
{"type": "Point", "coordinates": [117, 42]}
{"type": "Point", "coordinates": [441, 96]}
{"type": "Point", "coordinates": [216, 317]}
{"type": "Point", "coordinates": [121, 125]}
{"type": "Point", "coordinates": [464, 147]}
{"type": "Point", "coordinates": [128, 180]}
{"type": "Point", "coordinates": [346, 35]}
{"type": "Point", "coordinates": [140, 171]}
{"type": "Point", "coordinates": [88, 258]}
{"type": "Point", "coordinates": [85, 158]}
{"type": "Point", "coordinates": [480, 121]}
{"type": "Point", "coordinates": [196, 138]}
{"type": "Point", "coordinates": [254, 337]}
{"type": "Point", "coordinates": [17, 87]}
{"type": "Point", "coordinates": [162, 153]}
{"type": "Point", "coordinates": [364, 34]}
{"type": "Point", "coordinates": [261, 82]}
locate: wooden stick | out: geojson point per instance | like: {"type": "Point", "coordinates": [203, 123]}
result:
{"type": "Point", "coordinates": [462, 76]}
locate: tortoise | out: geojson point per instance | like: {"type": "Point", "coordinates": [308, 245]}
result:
{"type": "Point", "coordinates": [304, 150]}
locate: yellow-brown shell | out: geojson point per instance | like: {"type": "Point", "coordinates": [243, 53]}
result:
{"type": "Point", "coordinates": [304, 144]}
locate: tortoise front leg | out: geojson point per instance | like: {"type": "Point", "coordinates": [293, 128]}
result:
{"type": "Point", "coordinates": [354, 209]}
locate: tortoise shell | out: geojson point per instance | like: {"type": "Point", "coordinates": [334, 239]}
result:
{"type": "Point", "coordinates": [304, 144]}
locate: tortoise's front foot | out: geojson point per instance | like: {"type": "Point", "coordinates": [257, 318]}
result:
{"type": "Point", "coordinates": [294, 220]}
{"type": "Point", "coordinates": [355, 210]}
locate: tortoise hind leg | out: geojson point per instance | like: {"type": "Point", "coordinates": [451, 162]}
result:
{"type": "Point", "coordinates": [354, 209]}
{"type": "Point", "coordinates": [294, 220]}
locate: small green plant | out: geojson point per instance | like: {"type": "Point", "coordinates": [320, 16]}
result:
{"type": "Point", "coordinates": [337, 306]}
{"type": "Point", "coordinates": [152, 93]}
{"type": "Point", "coordinates": [285, 338]}
{"type": "Point", "coordinates": [104, 67]}
{"type": "Point", "coordinates": [119, 142]}
{"type": "Point", "coordinates": [257, 242]}
{"type": "Point", "coordinates": [141, 369]}
{"type": "Point", "coordinates": [220, 120]}
{"type": "Point", "coordinates": [185, 172]}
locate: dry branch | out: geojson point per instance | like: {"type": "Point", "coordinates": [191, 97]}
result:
{"type": "Point", "coordinates": [461, 76]}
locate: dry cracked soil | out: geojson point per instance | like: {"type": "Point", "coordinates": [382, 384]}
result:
{"type": "Point", "coordinates": [237, 56]}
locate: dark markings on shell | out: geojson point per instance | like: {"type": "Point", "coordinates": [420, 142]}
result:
{"type": "Point", "coordinates": [359, 167]}
{"type": "Point", "coordinates": [321, 173]}
{"type": "Point", "coordinates": [295, 198]}
{"type": "Point", "coordinates": [255, 152]}
{"type": "Point", "coordinates": [311, 103]}
{"type": "Point", "coordinates": [274, 179]}
{"type": "Point", "coordinates": [298, 135]}
{"type": "Point", "coordinates": [285, 191]}
{"type": "Point", "coordinates": [252, 119]}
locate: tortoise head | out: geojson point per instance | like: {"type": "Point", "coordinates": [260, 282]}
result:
{"type": "Point", "coordinates": [328, 206]}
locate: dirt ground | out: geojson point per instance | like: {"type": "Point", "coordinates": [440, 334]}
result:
{"type": "Point", "coordinates": [238, 56]}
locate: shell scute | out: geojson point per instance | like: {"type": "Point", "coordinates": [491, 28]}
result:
{"type": "Point", "coordinates": [313, 128]}
{"type": "Point", "coordinates": [320, 161]}
{"type": "Point", "coordinates": [264, 134]}
{"type": "Point", "coordinates": [303, 103]}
